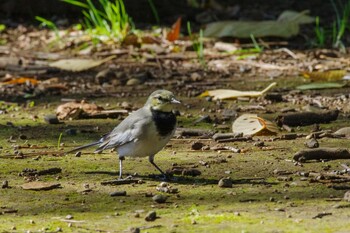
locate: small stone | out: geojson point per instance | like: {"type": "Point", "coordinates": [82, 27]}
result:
{"type": "Point", "coordinates": [163, 184]}
{"type": "Point", "coordinates": [58, 229]}
{"type": "Point", "coordinates": [72, 132]}
{"type": "Point", "coordinates": [31, 222]}
{"type": "Point", "coordinates": [134, 230]}
{"type": "Point", "coordinates": [347, 196]}
{"type": "Point", "coordinates": [259, 144]}
{"type": "Point", "coordinates": [78, 154]}
{"type": "Point", "coordinates": [237, 213]}
{"type": "Point", "coordinates": [272, 199]}
{"type": "Point", "coordinates": [286, 197]}
{"type": "Point", "coordinates": [312, 143]}
{"type": "Point", "coordinates": [69, 217]}
{"type": "Point", "coordinates": [117, 193]}
{"type": "Point", "coordinates": [193, 222]}
{"type": "Point", "coordinates": [5, 184]}
{"type": "Point", "coordinates": [151, 216]}
{"type": "Point", "coordinates": [284, 178]}
{"type": "Point", "coordinates": [225, 183]}
{"type": "Point", "coordinates": [159, 198]}
{"type": "Point", "coordinates": [133, 82]}
{"type": "Point", "coordinates": [51, 119]}
{"type": "Point", "coordinates": [197, 146]}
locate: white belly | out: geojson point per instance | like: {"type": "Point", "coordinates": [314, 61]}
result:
{"type": "Point", "coordinates": [149, 145]}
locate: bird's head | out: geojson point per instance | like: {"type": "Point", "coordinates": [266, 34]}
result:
{"type": "Point", "coordinates": [162, 100]}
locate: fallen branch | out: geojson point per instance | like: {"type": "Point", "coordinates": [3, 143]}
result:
{"type": "Point", "coordinates": [306, 118]}
{"type": "Point", "coordinates": [120, 182]}
{"type": "Point", "coordinates": [321, 153]}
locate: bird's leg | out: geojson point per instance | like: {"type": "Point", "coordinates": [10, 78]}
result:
{"type": "Point", "coordinates": [121, 158]}
{"type": "Point", "coordinates": [151, 160]}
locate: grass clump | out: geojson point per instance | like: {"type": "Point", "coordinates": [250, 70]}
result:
{"type": "Point", "coordinates": [334, 35]}
{"type": "Point", "coordinates": [108, 20]}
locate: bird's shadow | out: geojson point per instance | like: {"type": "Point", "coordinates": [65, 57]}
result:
{"type": "Point", "coordinates": [189, 180]}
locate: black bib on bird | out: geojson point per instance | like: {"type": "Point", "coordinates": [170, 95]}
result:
{"type": "Point", "coordinates": [165, 121]}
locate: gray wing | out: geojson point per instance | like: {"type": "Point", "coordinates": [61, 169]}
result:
{"type": "Point", "coordinates": [128, 130]}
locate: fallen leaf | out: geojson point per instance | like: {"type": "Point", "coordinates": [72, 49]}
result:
{"type": "Point", "coordinates": [251, 124]}
{"type": "Point", "coordinates": [21, 80]}
{"type": "Point", "coordinates": [38, 185]}
{"type": "Point", "coordinates": [175, 31]}
{"type": "Point", "coordinates": [232, 94]}
{"type": "Point", "coordinates": [315, 86]}
{"type": "Point", "coordinates": [79, 110]}
{"type": "Point", "coordinates": [286, 26]}
{"type": "Point", "coordinates": [77, 64]}
{"type": "Point", "coordinates": [330, 75]}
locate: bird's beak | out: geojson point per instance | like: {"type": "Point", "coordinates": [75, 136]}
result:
{"type": "Point", "coordinates": [175, 101]}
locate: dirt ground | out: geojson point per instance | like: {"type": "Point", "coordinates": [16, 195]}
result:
{"type": "Point", "coordinates": [267, 190]}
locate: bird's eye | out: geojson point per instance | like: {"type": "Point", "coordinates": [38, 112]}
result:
{"type": "Point", "coordinates": [160, 98]}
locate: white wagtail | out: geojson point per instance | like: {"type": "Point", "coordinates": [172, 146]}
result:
{"type": "Point", "coordinates": [144, 132]}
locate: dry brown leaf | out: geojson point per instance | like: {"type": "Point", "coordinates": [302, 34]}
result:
{"type": "Point", "coordinates": [251, 124]}
{"type": "Point", "coordinates": [75, 110]}
{"type": "Point", "coordinates": [175, 31]}
{"type": "Point", "coordinates": [232, 94]}
{"type": "Point", "coordinates": [21, 80]}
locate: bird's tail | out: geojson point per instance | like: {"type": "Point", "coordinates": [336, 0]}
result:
{"type": "Point", "coordinates": [83, 147]}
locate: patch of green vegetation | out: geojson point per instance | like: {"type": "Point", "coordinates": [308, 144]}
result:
{"type": "Point", "coordinates": [49, 24]}
{"type": "Point", "coordinates": [335, 34]}
{"type": "Point", "coordinates": [197, 44]}
{"type": "Point", "coordinates": [108, 19]}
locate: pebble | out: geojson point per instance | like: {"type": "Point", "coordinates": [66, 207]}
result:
{"type": "Point", "coordinates": [197, 146]}
{"type": "Point", "coordinates": [159, 198]}
{"type": "Point", "coordinates": [72, 132]}
{"type": "Point", "coordinates": [5, 184]}
{"type": "Point", "coordinates": [225, 183]}
{"type": "Point", "coordinates": [151, 216]}
{"type": "Point", "coordinates": [51, 119]}
{"type": "Point", "coordinates": [134, 230]}
{"type": "Point", "coordinates": [117, 193]}
{"type": "Point", "coordinates": [347, 196]}
{"type": "Point", "coordinates": [78, 154]}
{"type": "Point", "coordinates": [312, 143]}
{"type": "Point", "coordinates": [69, 217]}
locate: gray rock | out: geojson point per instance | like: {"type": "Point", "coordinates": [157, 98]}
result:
{"type": "Point", "coordinates": [51, 119]}
{"type": "Point", "coordinates": [118, 193]}
{"type": "Point", "coordinates": [151, 216]}
{"type": "Point", "coordinates": [347, 196]}
{"type": "Point", "coordinates": [159, 198]}
{"type": "Point", "coordinates": [225, 183]}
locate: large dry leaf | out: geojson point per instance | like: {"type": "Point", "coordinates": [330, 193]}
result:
{"type": "Point", "coordinates": [251, 124]}
{"type": "Point", "coordinates": [315, 86]}
{"type": "Point", "coordinates": [83, 110]}
{"type": "Point", "coordinates": [77, 64]}
{"type": "Point", "coordinates": [232, 94]}
{"type": "Point", "coordinates": [286, 26]}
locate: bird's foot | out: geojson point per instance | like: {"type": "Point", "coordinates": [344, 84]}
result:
{"type": "Point", "coordinates": [126, 178]}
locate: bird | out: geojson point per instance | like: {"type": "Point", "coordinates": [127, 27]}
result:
{"type": "Point", "coordinates": [144, 132]}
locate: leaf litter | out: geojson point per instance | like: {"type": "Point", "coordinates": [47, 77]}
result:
{"type": "Point", "coordinates": [171, 68]}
